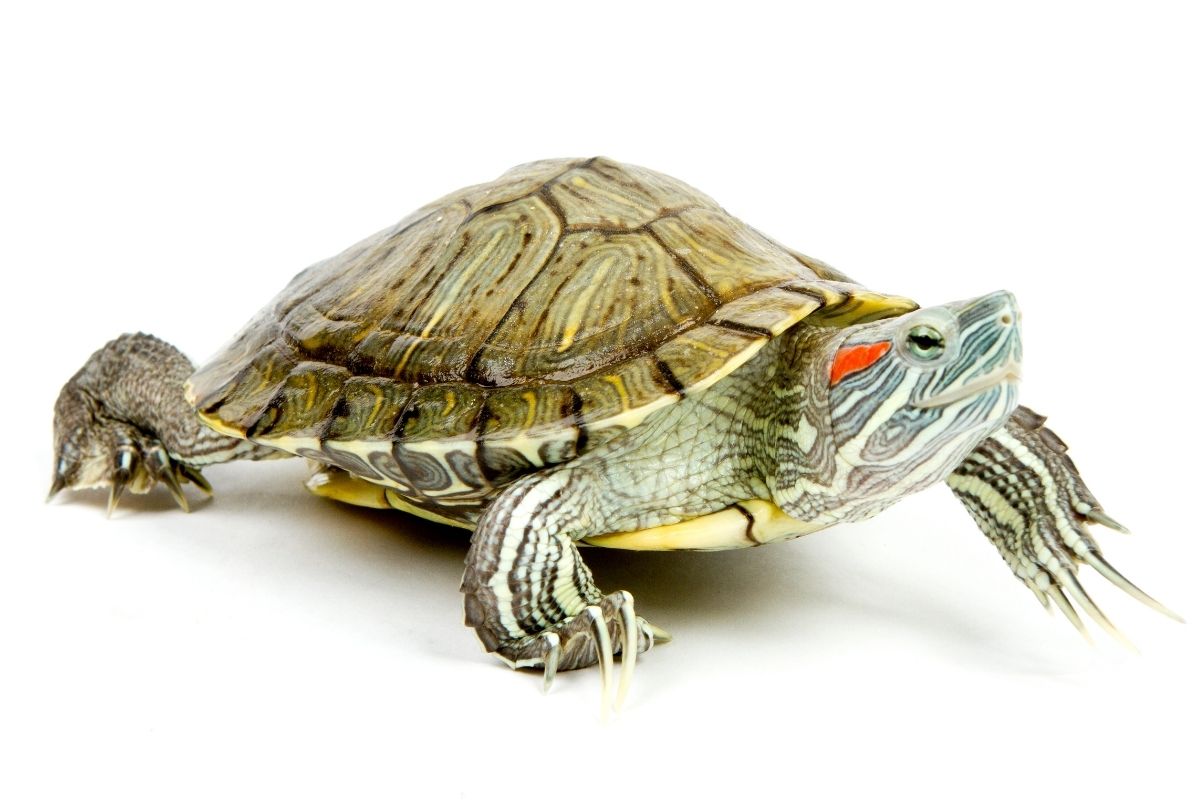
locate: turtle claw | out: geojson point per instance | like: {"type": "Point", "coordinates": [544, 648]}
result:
{"type": "Point", "coordinates": [115, 490]}
{"type": "Point", "coordinates": [1096, 514]}
{"type": "Point", "coordinates": [126, 464]}
{"type": "Point", "coordinates": [553, 653]}
{"type": "Point", "coordinates": [1069, 612]}
{"type": "Point", "coordinates": [604, 655]}
{"type": "Point", "coordinates": [634, 635]}
{"type": "Point", "coordinates": [1071, 582]}
{"type": "Point", "coordinates": [1114, 577]}
{"type": "Point", "coordinates": [629, 647]}
{"type": "Point", "coordinates": [57, 485]}
{"type": "Point", "coordinates": [190, 473]}
{"type": "Point", "coordinates": [655, 634]}
{"type": "Point", "coordinates": [162, 469]}
{"type": "Point", "coordinates": [171, 481]}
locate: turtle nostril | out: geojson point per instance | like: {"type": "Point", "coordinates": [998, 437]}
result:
{"type": "Point", "coordinates": [1006, 319]}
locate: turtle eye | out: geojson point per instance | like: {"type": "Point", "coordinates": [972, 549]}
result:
{"type": "Point", "coordinates": [925, 343]}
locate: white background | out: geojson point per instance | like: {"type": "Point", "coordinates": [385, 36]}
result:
{"type": "Point", "coordinates": [168, 170]}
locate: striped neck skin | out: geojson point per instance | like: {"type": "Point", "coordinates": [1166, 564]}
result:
{"type": "Point", "coordinates": [876, 412]}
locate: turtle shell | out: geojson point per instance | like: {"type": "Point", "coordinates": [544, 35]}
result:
{"type": "Point", "coordinates": [512, 325]}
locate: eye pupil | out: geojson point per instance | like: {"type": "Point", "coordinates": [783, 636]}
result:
{"type": "Point", "coordinates": [925, 342]}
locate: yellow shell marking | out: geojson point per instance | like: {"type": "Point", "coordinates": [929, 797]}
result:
{"type": "Point", "coordinates": [582, 303]}
{"type": "Point", "coordinates": [219, 426]}
{"type": "Point", "coordinates": [622, 392]}
{"type": "Point", "coordinates": [664, 293]}
{"type": "Point", "coordinates": [376, 407]}
{"type": "Point", "coordinates": [310, 396]}
{"type": "Point", "coordinates": [531, 399]}
{"type": "Point", "coordinates": [709, 253]}
{"type": "Point", "coordinates": [625, 201]}
{"type": "Point", "coordinates": [455, 290]}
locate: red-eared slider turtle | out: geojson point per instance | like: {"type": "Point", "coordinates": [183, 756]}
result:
{"type": "Point", "coordinates": [585, 352]}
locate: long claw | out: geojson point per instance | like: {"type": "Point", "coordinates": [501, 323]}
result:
{"type": "Point", "coordinates": [1076, 590]}
{"type": "Point", "coordinates": [553, 653]}
{"type": "Point", "coordinates": [604, 656]}
{"type": "Point", "coordinates": [629, 647]}
{"type": "Point", "coordinates": [657, 634]}
{"type": "Point", "coordinates": [125, 468]}
{"type": "Point", "coordinates": [1117, 579]}
{"type": "Point", "coordinates": [1069, 611]}
{"type": "Point", "coordinates": [1096, 514]}
{"type": "Point", "coordinates": [161, 469]}
{"type": "Point", "coordinates": [1038, 593]}
{"type": "Point", "coordinates": [167, 476]}
{"type": "Point", "coordinates": [192, 474]}
{"type": "Point", "coordinates": [57, 486]}
{"type": "Point", "coordinates": [115, 491]}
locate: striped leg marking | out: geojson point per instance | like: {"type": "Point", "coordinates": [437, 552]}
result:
{"type": "Point", "coordinates": [1026, 495]}
{"type": "Point", "coordinates": [531, 599]}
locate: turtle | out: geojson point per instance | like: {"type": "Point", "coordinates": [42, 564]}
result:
{"type": "Point", "coordinates": [588, 353]}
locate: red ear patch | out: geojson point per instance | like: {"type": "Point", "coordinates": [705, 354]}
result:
{"type": "Point", "coordinates": [853, 359]}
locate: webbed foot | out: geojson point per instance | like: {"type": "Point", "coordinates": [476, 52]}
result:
{"type": "Point", "coordinates": [1027, 496]}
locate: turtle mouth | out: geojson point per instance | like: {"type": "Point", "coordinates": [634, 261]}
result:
{"type": "Point", "coordinates": [1009, 373]}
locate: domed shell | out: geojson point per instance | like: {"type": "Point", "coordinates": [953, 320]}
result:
{"type": "Point", "coordinates": [511, 324]}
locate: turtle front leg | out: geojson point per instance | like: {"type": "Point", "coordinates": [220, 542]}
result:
{"type": "Point", "coordinates": [532, 600]}
{"type": "Point", "coordinates": [1027, 496]}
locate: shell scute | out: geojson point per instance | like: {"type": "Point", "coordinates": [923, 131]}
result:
{"type": "Point", "coordinates": [441, 411]}
{"type": "Point", "coordinates": [698, 357]}
{"type": "Point", "coordinates": [368, 409]}
{"type": "Point", "coordinates": [486, 267]}
{"type": "Point", "coordinates": [303, 404]}
{"type": "Point", "coordinates": [772, 310]}
{"type": "Point", "coordinates": [602, 193]}
{"type": "Point", "coordinates": [732, 258]}
{"type": "Point", "coordinates": [603, 298]}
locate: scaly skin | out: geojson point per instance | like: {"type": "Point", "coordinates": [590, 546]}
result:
{"type": "Point", "coordinates": [1026, 495]}
{"type": "Point", "coordinates": [122, 422]}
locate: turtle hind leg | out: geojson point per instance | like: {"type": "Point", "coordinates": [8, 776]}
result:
{"type": "Point", "coordinates": [1027, 496]}
{"type": "Point", "coordinates": [122, 422]}
{"type": "Point", "coordinates": [532, 600]}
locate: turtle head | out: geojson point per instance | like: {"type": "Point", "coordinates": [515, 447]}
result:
{"type": "Point", "coordinates": [905, 400]}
